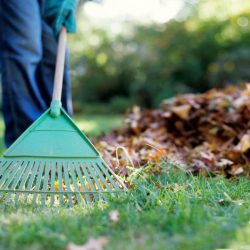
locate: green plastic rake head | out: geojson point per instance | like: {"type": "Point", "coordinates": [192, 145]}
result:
{"type": "Point", "coordinates": [53, 162]}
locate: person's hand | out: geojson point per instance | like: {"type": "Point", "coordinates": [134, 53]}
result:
{"type": "Point", "coordinates": [60, 13]}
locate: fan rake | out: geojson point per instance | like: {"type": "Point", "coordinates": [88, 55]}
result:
{"type": "Point", "coordinates": [56, 182]}
{"type": "Point", "coordinates": [53, 162]}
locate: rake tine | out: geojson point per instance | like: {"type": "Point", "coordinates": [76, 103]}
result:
{"type": "Point", "coordinates": [107, 172]}
{"type": "Point", "coordinates": [26, 176]}
{"type": "Point", "coordinates": [4, 167]}
{"type": "Point", "coordinates": [18, 177]}
{"type": "Point", "coordinates": [104, 181]}
{"type": "Point", "coordinates": [92, 188]}
{"type": "Point", "coordinates": [93, 174]}
{"type": "Point", "coordinates": [97, 181]}
{"type": "Point", "coordinates": [10, 178]}
{"type": "Point", "coordinates": [114, 176]}
{"type": "Point", "coordinates": [38, 181]}
{"type": "Point", "coordinates": [80, 177]}
{"type": "Point", "coordinates": [72, 173]}
{"type": "Point", "coordinates": [59, 169]}
{"type": "Point", "coordinates": [7, 172]}
{"type": "Point", "coordinates": [52, 183]}
{"type": "Point", "coordinates": [32, 179]}
{"type": "Point", "coordinates": [66, 176]}
{"type": "Point", "coordinates": [45, 183]}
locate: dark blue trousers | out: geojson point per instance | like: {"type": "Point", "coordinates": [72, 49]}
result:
{"type": "Point", "coordinates": [27, 57]}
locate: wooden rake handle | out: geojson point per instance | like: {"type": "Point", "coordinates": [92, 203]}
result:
{"type": "Point", "coordinates": [60, 61]}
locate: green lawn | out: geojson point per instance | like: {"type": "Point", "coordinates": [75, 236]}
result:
{"type": "Point", "coordinates": [95, 125]}
{"type": "Point", "coordinates": [186, 212]}
{"type": "Point", "coordinates": [172, 211]}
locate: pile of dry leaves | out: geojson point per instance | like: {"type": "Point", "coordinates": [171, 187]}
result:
{"type": "Point", "coordinates": [204, 132]}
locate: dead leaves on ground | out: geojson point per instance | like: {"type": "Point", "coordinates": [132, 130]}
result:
{"type": "Point", "coordinates": [207, 132]}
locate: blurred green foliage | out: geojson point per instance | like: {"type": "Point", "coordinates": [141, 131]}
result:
{"type": "Point", "coordinates": [154, 62]}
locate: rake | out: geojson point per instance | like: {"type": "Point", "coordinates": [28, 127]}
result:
{"type": "Point", "coordinates": [53, 162]}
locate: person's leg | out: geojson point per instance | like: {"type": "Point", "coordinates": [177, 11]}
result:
{"type": "Point", "coordinates": [21, 47]}
{"type": "Point", "coordinates": [29, 55]}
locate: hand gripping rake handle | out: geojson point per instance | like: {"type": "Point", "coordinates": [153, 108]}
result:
{"type": "Point", "coordinates": [58, 79]}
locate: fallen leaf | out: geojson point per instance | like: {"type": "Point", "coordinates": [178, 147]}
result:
{"type": "Point", "coordinates": [182, 111]}
{"type": "Point", "coordinates": [114, 216]}
{"type": "Point", "coordinates": [91, 244]}
{"type": "Point", "coordinates": [56, 185]}
{"type": "Point", "coordinates": [158, 185]}
{"type": "Point", "coordinates": [236, 169]}
{"type": "Point", "coordinates": [224, 163]}
{"type": "Point", "coordinates": [244, 144]}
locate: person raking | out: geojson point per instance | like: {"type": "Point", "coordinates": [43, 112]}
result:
{"type": "Point", "coordinates": [28, 43]}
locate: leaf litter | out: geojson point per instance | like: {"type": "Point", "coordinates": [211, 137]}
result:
{"type": "Point", "coordinates": [208, 132]}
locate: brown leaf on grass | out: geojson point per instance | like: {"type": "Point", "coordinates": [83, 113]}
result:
{"type": "Point", "coordinates": [176, 187]}
{"type": "Point", "coordinates": [158, 185]}
{"type": "Point", "coordinates": [91, 244]}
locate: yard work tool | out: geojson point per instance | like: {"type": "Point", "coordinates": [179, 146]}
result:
{"type": "Point", "coordinates": [53, 162]}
